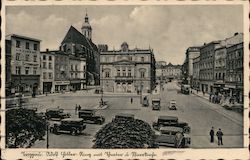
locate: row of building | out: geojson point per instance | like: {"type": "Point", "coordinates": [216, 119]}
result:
{"type": "Point", "coordinates": [167, 72]}
{"type": "Point", "coordinates": [216, 67]}
{"type": "Point", "coordinates": [76, 64]}
{"type": "Point", "coordinates": [72, 67]}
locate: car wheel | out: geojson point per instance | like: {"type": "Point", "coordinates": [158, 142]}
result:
{"type": "Point", "coordinates": [73, 132]}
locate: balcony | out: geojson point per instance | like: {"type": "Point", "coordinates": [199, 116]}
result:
{"type": "Point", "coordinates": [124, 78]}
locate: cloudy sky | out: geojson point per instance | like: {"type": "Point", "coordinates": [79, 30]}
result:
{"type": "Point", "coordinates": [169, 30]}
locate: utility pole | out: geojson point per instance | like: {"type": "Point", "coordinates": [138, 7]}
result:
{"type": "Point", "coordinates": [47, 130]}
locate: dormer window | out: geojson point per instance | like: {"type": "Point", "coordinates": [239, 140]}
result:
{"type": "Point", "coordinates": [124, 47]}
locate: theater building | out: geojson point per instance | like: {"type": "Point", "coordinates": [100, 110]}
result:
{"type": "Point", "coordinates": [127, 70]}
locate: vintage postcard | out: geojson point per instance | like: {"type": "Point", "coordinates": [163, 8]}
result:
{"type": "Point", "coordinates": [124, 79]}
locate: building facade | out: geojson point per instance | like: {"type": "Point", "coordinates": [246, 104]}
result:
{"type": "Point", "coordinates": [187, 67]}
{"type": "Point", "coordinates": [61, 71]}
{"type": "Point", "coordinates": [127, 70]}
{"type": "Point", "coordinates": [24, 65]}
{"type": "Point", "coordinates": [207, 53]}
{"type": "Point", "coordinates": [196, 73]}
{"type": "Point", "coordinates": [77, 73]}
{"type": "Point", "coordinates": [234, 71]}
{"type": "Point", "coordinates": [81, 44]}
{"type": "Point", "coordinates": [47, 72]}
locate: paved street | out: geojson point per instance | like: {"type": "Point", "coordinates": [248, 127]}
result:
{"type": "Point", "coordinates": [198, 112]}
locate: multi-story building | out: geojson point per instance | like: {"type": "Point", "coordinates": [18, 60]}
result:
{"type": "Point", "coordinates": [77, 72]}
{"type": "Point", "coordinates": [172, 71]}
{"type": "Point", "coordinates": [159, 71]}
{"type": "Point", "coordinates": [234, 71]}
{"type": "Point", "coordinates": [77, 43]}
{"type": "Point", "coordinates": [47, 71]}
{"type": "Point", "coordinates": [207, 54]}
{"type": "Point", "coordinates": [61, 71]}
{"type": "Point", "coordinates": [219, 68]}
{"type": "Point", "coordinates": [24, 54]}
{"type": "Point", "coordinates": [187, 67]}
{"type": "Point", "coordinates": [128, 70]}
{"type": "Point", "coordinates": [196, 72]}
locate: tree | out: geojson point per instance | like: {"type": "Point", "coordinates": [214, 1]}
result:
{"type": "Point", "coordinates": [23, 128]}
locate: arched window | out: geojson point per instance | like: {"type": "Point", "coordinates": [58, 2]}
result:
{"type": "Point", "coordinates": [142, 72]}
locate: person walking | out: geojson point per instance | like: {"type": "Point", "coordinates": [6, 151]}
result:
{"type": "Point", "coordinates": [79, 108]}
{"type": "Point", "coordinates": [219, 135]}
{"type": "Point", "coordinates": [212, 135]}
{"type": "Point", "coordinates": [131, 100]}
{"type": "Point", "coordinates": [76, 109]}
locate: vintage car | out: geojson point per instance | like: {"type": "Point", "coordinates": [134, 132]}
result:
{"type": "Point", "coordinates": [173, 136]}
{"type": "Point", "coordinates": [123, 116]}
{"type": "Point", "coordinates": [164, 121]}
{"type": "Point", "coordinates": [185, 89]}
{"type": "Point", "coordinates": [145, 102]}
{"type": "Point", "coordinates": [172, 105]}
{"type": "Point", "coordinates": [156, 104]}
{"type": "Point", "coordinates": [89, 116]}
{"type": "Point", "coordinates": [74, 126]}
{"type": "Point", "coordinates": [56, 114]}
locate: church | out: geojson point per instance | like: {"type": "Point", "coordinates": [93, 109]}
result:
{"type": "Point", "coordinates": [80, 44]}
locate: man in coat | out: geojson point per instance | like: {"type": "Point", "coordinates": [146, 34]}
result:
{"type": "Point", "coordinates": [219, 135]}
{"type": "Point", "coordinates": [212, 135]}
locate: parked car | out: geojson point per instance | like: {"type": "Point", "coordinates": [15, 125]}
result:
{"type": "Point", "coordinates": [156, 104]}
{"type": "Point", "coordinates": [164, 121]}
{"type": "Point", "coordinates": [56, 114]}
{"type": "Point", "coordinates": [89, 116]}
{"type": "Point", "coordinates": [74, 126]}
{"type": "Point", "coordinates": [145, 102]}
{"type": "Point", "coordinates": [173, 136]}
{"type": "Point", "coordinates": [123, 116]}
{"type": "Point", "coordinates": [172, 105]}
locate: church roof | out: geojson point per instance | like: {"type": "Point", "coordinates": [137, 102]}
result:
{"type": "Point", "coordinates": [74, 36]}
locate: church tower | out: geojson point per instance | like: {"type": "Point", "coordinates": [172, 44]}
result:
{"type": "Point", "coordinates": [86, 28]}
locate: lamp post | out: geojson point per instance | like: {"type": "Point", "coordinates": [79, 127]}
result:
{"type": "Point", "coordinates": [102, 87]}
{"type": "Point", "coordinates": [141, 92]}
{"type": "Point", "coordinates": [47, 132]}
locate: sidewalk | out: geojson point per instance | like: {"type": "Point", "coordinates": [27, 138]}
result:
{"type": "Point", "coordinates": [200, 94]}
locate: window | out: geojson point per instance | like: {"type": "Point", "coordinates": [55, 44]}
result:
{"type": "Point", "coordinates": [50, 75]}
{"type": "Point", "coordinates": [18, 56]}
{"type": "Point", "coordinates": [72, 67]}
{"type": "Point", "coordinates": [27, 70]}
{"type": "Point", "coordinates": [107, 74]}
{"type": "Point", "coordinates": [27, 46]}
{"type": "Point", "coordinates": [35, 47]}
{"type": "Point", "coordinates": [50, 58]}
{"type": "Point", "coordinates": [18, 44]}
{"type": "Point", "coordinates": [72, 75]}
{"type": "Point", "coordinates": [18, 70]}
{"type": "Point", "coordinates": [76, 67]}
{"type": "Point", "coordinates": [44, 57]}
{"type": "Point", "coordinates": [84, 67]}
{"type": "Point", "coordinates": [118, 73]}
{"type": "Point", "coordinates": [44, 65]}
{"type": "Point", "coordinates": [35, 58]}
{"type": "Point", "coordinates": [50, 65]}
{"type": "Point", "coordinates": [76, 75]}
{"type": "Point", "coordinates": [44, 75]}
{"type": "Point", "coordinates": [34, 70]}
{"type": "Point", "coordinates": [27, 57]}
{"type": "Point", "coordinates": [124, 72]}
{"type": "Point", "coordinates": [142, 59]}
{"type": "Point", "coordinates": [129, 72]}
{"type": "Point", "coordinates": [142, 74]}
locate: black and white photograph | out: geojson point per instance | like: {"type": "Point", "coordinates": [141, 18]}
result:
{"type": "Point", "coordinates": [125, 76]}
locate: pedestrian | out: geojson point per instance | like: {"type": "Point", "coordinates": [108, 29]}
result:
{"type": "Point", "coordinates": [219, 135]}
{"type": "Point", "coordinates": [79, 108]}
{"type": "Point", "coordinates": [212, 135]}
{"type": "Point", "coordinates": [76, 109]}
{"type": "Point", "coordinates": [131, 100]}
{"type": "Point", "coordinates": [203, 93]}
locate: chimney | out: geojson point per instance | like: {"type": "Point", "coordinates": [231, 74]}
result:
{"type": "Point", "coordinates": [47, 50]}
{"type": "Point", "coordinates": [235, 34]}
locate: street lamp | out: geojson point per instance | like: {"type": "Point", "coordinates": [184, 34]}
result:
{"type": "Point", "coordinates": [141, 92]}
{"type": "Point", "coordinates": [102, 88]}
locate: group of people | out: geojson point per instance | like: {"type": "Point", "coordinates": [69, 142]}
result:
{"type": "Point", "coordinates": [215, 98]}
{"type": "Point", "coordinates": [77, 108]}
{"type": "Point", "coordinates": [219, 135]}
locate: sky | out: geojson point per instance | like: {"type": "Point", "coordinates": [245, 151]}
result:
{"type": "Point", "coordinates": [167, 29]}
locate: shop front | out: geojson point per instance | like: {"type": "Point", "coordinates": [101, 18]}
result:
{"type": "Point", "coordinates": [62, 86]}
